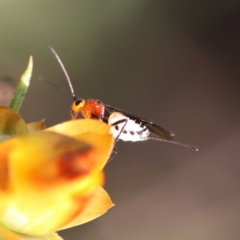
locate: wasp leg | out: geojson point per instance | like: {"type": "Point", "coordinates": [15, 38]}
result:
{"type": "Point", "coordinates": [114, 151]}
{"type": "Point", "coordinates": [118, 122]}
{"type": "Point", "coordinates": [113, 154]}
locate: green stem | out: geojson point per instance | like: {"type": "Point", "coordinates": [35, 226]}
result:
{"type": "Point", "coordinates": [22, 87]}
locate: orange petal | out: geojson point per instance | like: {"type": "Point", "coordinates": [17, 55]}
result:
{"type": "Point", "coordinates": [36, 126]}
{"type": "Point", "coordinates": [97, 206]}
{"type": "Point", "coordinates": [48, 179]}
{"type": "Point", "coordinates": [11, 122]}
{"type": "Point", "coordinates": [94, 132]}
{"type": "Point", "coordinates": [6, 234]}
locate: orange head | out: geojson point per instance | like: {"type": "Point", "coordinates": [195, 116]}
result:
{"type": "Point", "coordinates": [77, 106]}
{"type": "Point", "coordinates": [90, 108]}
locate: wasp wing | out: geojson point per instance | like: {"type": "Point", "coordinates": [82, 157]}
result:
{"type": "Point", "coordinates": [157, 131]}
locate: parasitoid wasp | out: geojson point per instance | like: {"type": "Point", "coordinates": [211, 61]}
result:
{"type": "Point", "coordinates": [124, 126]}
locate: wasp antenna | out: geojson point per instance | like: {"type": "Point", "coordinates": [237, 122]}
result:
{"type": "Point", "coordinates": [56, 86]}
{"type": "Point", "coordinates": [65, 72]}
{"type": "Point", "coordinates": [178, 143]}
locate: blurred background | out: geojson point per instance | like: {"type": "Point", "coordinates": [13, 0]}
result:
{"type": "Point", "coordinates": [176, 63]}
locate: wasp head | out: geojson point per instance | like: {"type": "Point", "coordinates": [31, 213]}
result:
{"type": "Point", "coordinates": [77, 107]}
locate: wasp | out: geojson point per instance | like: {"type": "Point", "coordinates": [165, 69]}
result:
{"type": "Point", "coordinates": [124, 125]}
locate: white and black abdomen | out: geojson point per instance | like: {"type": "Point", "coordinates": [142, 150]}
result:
{"type": "Point", "coordinates": [128, 128]}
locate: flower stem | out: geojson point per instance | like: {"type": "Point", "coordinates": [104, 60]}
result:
{"type": "Point", "coordinates": [22, 87]}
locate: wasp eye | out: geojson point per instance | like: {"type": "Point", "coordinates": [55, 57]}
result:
{"type": "Point", "coordinates": [78, 101]}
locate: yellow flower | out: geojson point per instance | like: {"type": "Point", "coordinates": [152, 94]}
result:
{"type": "Point", "coordinates": [51, 179]}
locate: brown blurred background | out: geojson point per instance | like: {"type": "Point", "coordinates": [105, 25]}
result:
{"type": "Point", "coordinates": [176, 63]}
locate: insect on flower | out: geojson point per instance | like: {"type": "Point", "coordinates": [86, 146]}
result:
{"type": "Point", "coordinates": [124, 126]}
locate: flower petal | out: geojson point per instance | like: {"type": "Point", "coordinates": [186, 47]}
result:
{"type": "Point", "coordinates": [96, 207]}
{"type": "Point", "coordinates": [92, 131]}
{"type": "Point", "coordinates": [11, 122]}
{"type": "Point", "coordinates": [46, 181]}
{"type": "Point", "coordinates": [36, 126]}
{"type": "Point", "coordinates": [6, 234]}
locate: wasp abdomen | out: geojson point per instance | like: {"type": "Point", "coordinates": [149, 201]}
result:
{"type": "Point", "coordinates": [127, 129]}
